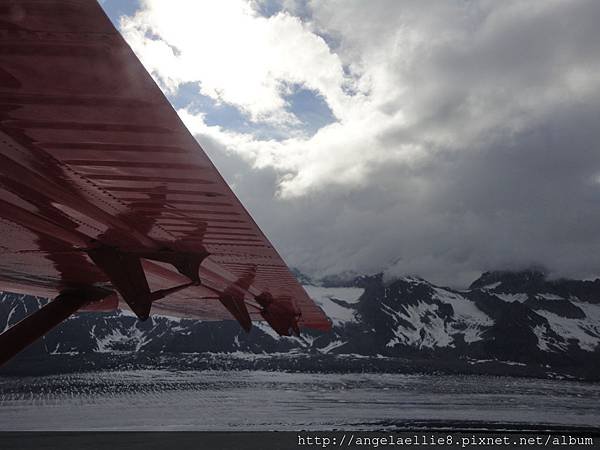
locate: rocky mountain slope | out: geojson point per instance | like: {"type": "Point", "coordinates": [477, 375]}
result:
{"type": "Point", "coordinates": [505, 323]}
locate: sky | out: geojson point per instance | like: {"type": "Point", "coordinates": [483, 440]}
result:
{"type": "Point", "coordinates": [437, 139]}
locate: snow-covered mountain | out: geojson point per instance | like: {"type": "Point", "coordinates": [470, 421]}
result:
{"type": "Point", "coordinates": [505, 322]}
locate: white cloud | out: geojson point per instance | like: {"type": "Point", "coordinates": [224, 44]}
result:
{"type": "Point", "coordinates": [424, 79]}
{"type": "Point", "coordinates": [463, 138]}
{"type": "Point", "coordinates": [236, 55]}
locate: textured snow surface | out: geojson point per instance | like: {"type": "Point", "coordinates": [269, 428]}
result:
{"type": "Point", "coordinates": [512, 297]}
{"type": "Point", "coordinates": [158, 400]}
{"type": "Point", "coordinates": [471, 321]}
{"type": "Point", "coordinates": [423, 325]}
{"type": "Point", "coordinates": [331, 346]}
{"type": "Point", "coordinates": [543, 340]}
{"type": "Point", "coordinates": [338, 314]}
{"type": "Point", "coordinates": [424, 329]}
{"type": "Point", "coordinates": [266, 328]}
{"type": "Point", "coordinates": [117, 340]}
{"type": "Point", "coordinates": [586, 331]}
{"type": "Point", "coordinates": [546, 296]}
{"type": "Point", "coordinates": [463, 307]}
{"type": "Point", "coordinates": [492, 285]}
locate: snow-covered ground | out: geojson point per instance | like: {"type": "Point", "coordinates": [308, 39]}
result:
{"type": "Point", "coordinates": [325, 297]}
{"type": "Point", "coordinates": [469, 320]}
{"type": "Point", "coordinates": [419, 326]}
{"type": "Point", "coordinates": [512, 297]}
{"type": "Point", "coordinates": [217, 400]}
{"type": "Point", "coordinates": [585, 332]}
{"type": "Point", "coordinates": [423, 325]}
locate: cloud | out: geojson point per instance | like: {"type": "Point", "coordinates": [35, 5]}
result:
{"type": "Point", "coordinates": [236, 55]}
{"type": "Point", "coordinates": [464, 137]}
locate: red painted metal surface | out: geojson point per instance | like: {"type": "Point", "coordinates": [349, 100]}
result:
{"type": "Point", "coordinates": [92, 155]}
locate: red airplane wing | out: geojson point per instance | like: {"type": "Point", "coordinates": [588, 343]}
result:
{"type": "Point", "coordinates": [101, 185]}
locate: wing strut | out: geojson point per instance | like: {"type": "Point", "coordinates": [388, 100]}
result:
{"type": "Point", "coordinates": [34, 326]}
{"type": "Point", "coordinates": [125, 271]}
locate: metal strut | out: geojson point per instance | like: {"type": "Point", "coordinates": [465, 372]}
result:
{"type": "Point", "coordinates": [37, 324]}
{"type": "Point", "coordinates": [126, 273]}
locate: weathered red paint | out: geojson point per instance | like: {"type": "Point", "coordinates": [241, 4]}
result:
{"type": "Point", "coordinates": [92, 155]}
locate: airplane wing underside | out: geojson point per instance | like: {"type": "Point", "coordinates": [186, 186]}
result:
{"type": "Point", "coordinates": [102, 185]}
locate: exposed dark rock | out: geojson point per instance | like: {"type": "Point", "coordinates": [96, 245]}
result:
{"type": "Point", "coordinates": [519, 321]}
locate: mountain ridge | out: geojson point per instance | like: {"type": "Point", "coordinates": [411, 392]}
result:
{"type": "Point", "coordinates": [505, 323]}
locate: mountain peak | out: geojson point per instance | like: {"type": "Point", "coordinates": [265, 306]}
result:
{"type": "Point", "coordinates": [520, 278]}
{"type": "Point", "coordinates": [301, 276]}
